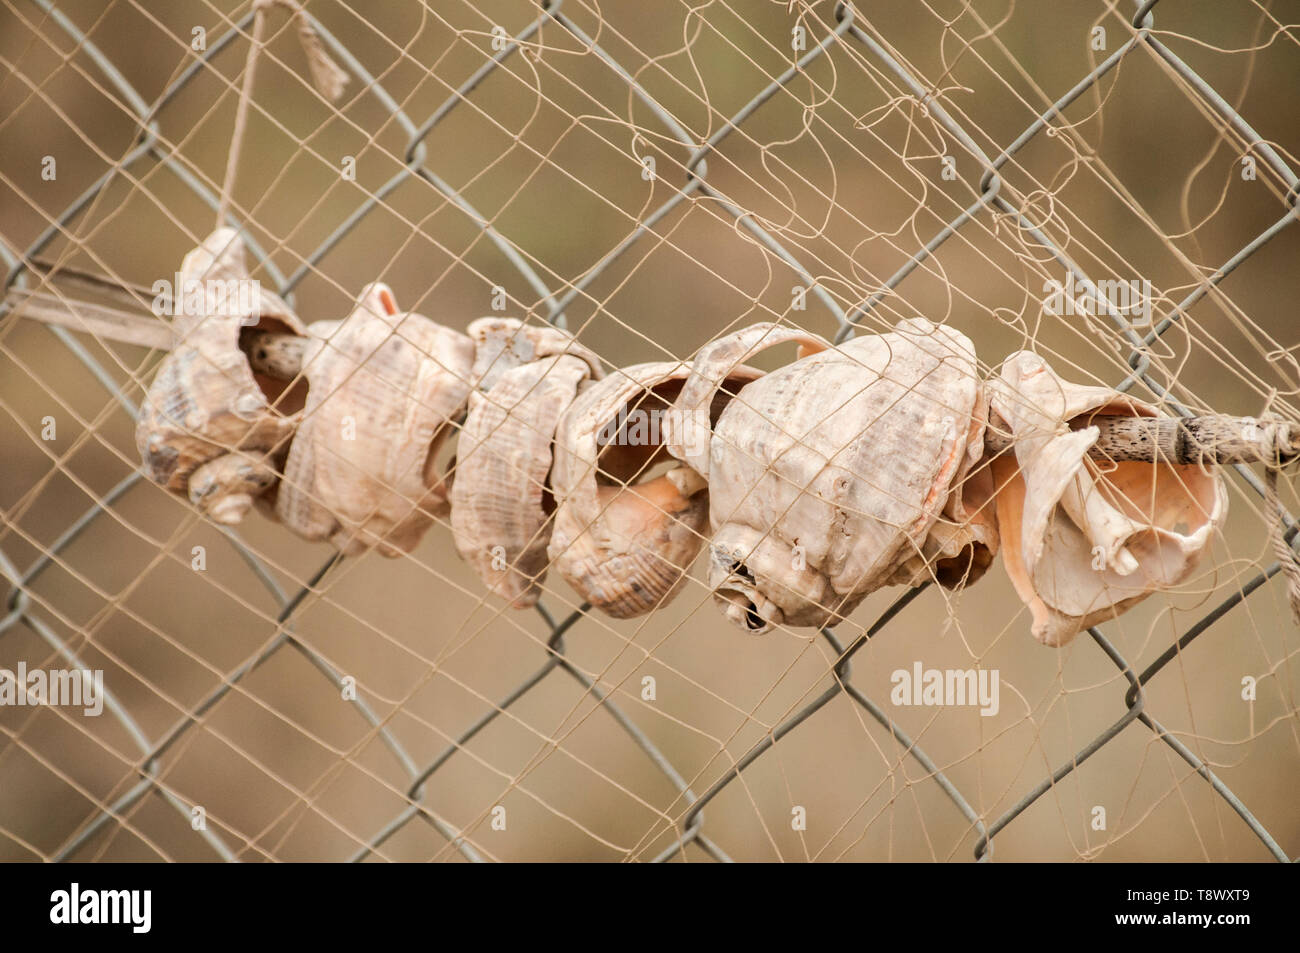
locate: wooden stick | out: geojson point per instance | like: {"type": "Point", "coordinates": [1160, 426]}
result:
{"type": "Point", "coordinates": [105, 322]}
{"type": "Point", "coordinates": [1212, 439]}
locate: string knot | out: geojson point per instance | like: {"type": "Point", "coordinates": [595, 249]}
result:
{"type": "Point", "coordinates": [1276, 435]}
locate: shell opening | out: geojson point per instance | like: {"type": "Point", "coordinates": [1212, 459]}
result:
{"type": "Point", "coordinates": [282, 396]}
{"type": "Point", "coordinates": [432, 479]}
{"type": "Point", "coordinates": [954, 572]}
{"type": "Point", "coordinates": [631, 449]}
{"type": "Point", "coordinates": [741, 601]}
{"type": "Point", "coordinates": [742, 611]}
{"type": "Point", "coordinates": [548, 494]}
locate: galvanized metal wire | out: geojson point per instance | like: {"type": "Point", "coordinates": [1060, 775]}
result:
{"type": "Point", "coordinates": [691, 826]}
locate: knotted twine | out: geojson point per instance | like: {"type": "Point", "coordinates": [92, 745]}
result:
{"type": "Point", "coordinates": [1276, 434]}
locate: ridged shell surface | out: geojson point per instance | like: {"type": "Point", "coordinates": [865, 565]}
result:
{"type": "Point", "coordinates": [827, 476]}
{"type": "Point", "coordinates": [501, 500]}
{"type": "Point", "coordinates": [501, 344]}
{"type": "Point", "coordinates": [384, 388]}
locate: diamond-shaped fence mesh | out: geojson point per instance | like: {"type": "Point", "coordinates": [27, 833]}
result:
{"type": "Point", "coordinates": [648, 177]}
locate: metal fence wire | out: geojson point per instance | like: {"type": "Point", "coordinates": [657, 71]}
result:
{"type": "Point", "coordinates": [56, 809]}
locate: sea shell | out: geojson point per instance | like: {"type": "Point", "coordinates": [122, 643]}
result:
{"type": "Point", "coordinates": [689, 428]}
{"type": "Point", "coordinates": [622, 538]}
{"type": "Point", "coordinates": [209, 428]}
{"type": "Point", "coordinates": [828, 476]}
{"type": "Point", "coordinates": [501, 498]}
{"type": "Point", "coordinates": [1083, 542]}
{"type": "Point", "coordinates": [501, 344]}
{"type": "Point", "coordinates": [385, 387]}
{"type": "Point", "coordinates": [960, 546]}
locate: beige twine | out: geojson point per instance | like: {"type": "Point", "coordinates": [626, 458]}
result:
{"type": "Point", "coordinates": [327, 76]}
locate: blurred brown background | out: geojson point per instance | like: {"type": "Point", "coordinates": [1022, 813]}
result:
{"type": "Point", "coordinates": [843, 166]}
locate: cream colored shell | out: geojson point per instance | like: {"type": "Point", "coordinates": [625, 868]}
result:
{"type": "Point", "coordinates": [207, 428]}
{"type": "Point", "coordinates": [1083, 542]}
{"type": "Point", "coordinates": [828, 476]}
{"type": "Point", "coordinates": [624, 539]}
{"type": "Point", "coordinates": [961, 544]}
{"type": "Point", "coordinates": [384, 389]}
{"type": "Point", "coordinates": [501, 497]}
{"type": "Point", "coordinates": [501, 344]}
{"type": "Point", "coordinates": [689, 428]}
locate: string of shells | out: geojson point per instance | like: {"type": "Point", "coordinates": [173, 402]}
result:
{"type": "Point", "coordinates": [886, 460]}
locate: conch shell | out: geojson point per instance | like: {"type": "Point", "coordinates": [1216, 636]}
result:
{"type": "Point", "coordinates": [385, 388]}
{"type": "Point", "coordinates": [623, 545]}
{"type": "Point", "coordinates": [829, 476]}
{"type": "Point", "coordinates": [1084, 542]}
{"type": "Point", "coordinates": [208, 428]}
{"type": "Point", "coordinates": [501, 499]}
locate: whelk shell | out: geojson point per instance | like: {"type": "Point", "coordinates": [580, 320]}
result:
{"type": "Point", "coordinates": [208, 428]}
{"type": "Point", "coordinates": [828, 476]}
{"type": "Point", "coordinates": [501, 499]}
{"type": "Point", "coordinates": [622, 538]}
{"type": "Point", "coordinates": [385, 387]}
{"type": "Point", "coordinates": [1081, 542]}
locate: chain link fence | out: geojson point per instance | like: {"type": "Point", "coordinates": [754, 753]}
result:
{"type": "Point", "coordinates": [169, 767]}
